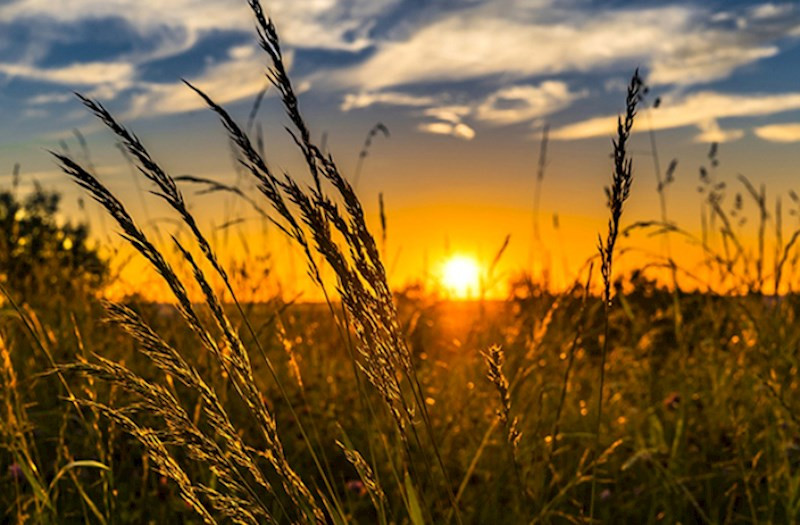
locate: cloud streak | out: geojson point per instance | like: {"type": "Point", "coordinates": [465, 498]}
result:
{"type": "Point", "coordinates": [457, 129]}
{"type": "Point", "coordinates": [224, 82]}
{"type": "Point", "coordinates": [522, 103]}
{"type": "Point", "coordinates": [701, 109]}
{"type": "Point", "coordinates": [366, 99]}
{"type": "Point", "coordinates": [681, 44]}
{"type": "Point", "coordinates": [86, 74]}
{"type": "Point", "coordinates": [779, 132]}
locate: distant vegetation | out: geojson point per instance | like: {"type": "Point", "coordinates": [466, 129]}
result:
{"type": "Point", "coordinates": [41, 259]}
{"type": "Point", "coordinates": [643, 404]}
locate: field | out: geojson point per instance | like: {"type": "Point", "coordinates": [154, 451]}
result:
{"type": "Point", "coordinates": [621, 399]}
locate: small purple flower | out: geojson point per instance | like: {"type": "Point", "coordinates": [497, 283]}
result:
{"type": "Point", "coordinates": [15, 471]}
{"type": "Point", "coordinates": [605, 494]}
{"type": "Point", "coordinates": [672, 401]}
{"type": "Point", "coordinates": [356, 486]}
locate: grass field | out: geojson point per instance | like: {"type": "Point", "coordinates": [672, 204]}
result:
{"type": "Point", "coordinates": [618, 400]}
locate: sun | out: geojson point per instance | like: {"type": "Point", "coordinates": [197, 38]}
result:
{"type": "Point", "coordinates": [461, 276]}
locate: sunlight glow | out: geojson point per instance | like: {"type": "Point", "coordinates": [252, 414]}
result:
{"type": "Point", "coordinates": [460, 276]}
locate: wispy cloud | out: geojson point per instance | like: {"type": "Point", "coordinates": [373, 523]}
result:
{"type": "Point", "coordinates": [448, 120]}
{"type": "Point", "coordinates": [522, 103]}
{"type": "Point", "coordinates": [510, 105]}
{"type": "Point", "coordinates": [681, 44]}
{"type": "Point", "coordinates": [82, 74]}
{"type": "Point", "coordinates": [771, 11]}
{"type": "Point", "coordinates": [366, 99]}
{"type": "Point", "coordinates": [224, 82]}
{"type": "Point", "coordinates": [710, 131]}
{"type": "Point", "coordinates": [452, 113]}
{"type": "Point", "coordinates": [49, 98]}
{"type": "Point", "coordinates": [701, 109]}
{"type": "Point", "coordinates": [779, 132]}
{"type": "Point", "coordinates": [458, 129]}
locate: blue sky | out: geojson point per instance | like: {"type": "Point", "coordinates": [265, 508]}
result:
{"type": "Point", "coordinates": [464, 85]}
{"type": "Point", "coordinates": [456, 66]}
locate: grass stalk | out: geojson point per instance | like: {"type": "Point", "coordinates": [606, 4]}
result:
{"type": "Point", "coordinates": [616, 194]}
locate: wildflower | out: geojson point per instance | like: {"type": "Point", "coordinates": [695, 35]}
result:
{"type": "Point", "coordinates": [672, 400]}
{"type": "Point", "coordinates": [15, 471]}
{"type": "Point", "coordinates": [357, 486]}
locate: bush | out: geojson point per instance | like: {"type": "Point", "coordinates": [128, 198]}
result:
{"type": "Point", "coordinates": [40, 258]}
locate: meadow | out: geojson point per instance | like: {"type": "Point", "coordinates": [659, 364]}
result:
{"type": "Point", "coordinates": [621, 399]}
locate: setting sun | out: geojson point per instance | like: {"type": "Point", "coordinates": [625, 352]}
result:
{"type": "Point", "coordinates": [460, 276]}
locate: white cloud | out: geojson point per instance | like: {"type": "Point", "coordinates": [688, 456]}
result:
{"type": "Point", "coordinates": [391, 98]}
{"type": "Point", "coordinates": [711, 132]}
{"type": "Point", "coordinates": [701, 58]}
{"type": "Point", "coordinates": [225, 82]}
{"type": "Point", "coordinates": [698, 109]}
{"type": "Point", "coordinates": [770, 10]}
{"type": "Point", "coordinates": [34, 113]}
{"type": "Point", "coordinates": [459, 130]}
{"type": "Point", "coordinates": [465, 47]}
{"type": "Point", "coordinates": [49, 98]}
{"type": "Point", "coordinates": [83, 74]}
{"type": "Point", "coordinates": [242, 52]}
{"type": "Point", "coordinates": [679, 43]}
{"type": "Point", "coordinates": [449, 121]}
{"type": "Point", "coordinates": [452, 114]}
{"type": "Point", "coordinates": [524, 102]}
{"type": "Point", "coordinates": [779, 132]}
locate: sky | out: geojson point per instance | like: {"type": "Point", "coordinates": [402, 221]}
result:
{"type": "Point", "coordinates": [465, 88]}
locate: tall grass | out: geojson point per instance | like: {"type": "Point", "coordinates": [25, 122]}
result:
{"type": "Point", "coordinates": [617, 194]}
{"type": "Point", "coordinates": [310, 218]}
